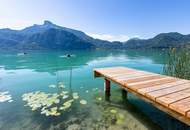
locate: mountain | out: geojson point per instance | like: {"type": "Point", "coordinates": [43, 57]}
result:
{"type": "Point", "coordinates": [51, 36]}
{"type": "Point", "coordinates": [163, 40]}
{"type": "Point", "coordinates": [46, 36]}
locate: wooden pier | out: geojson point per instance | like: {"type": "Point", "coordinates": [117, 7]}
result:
{"type": "Point", "coordinates": [169, 94]}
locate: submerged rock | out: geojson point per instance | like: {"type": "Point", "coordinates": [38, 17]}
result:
{"type": "Point", "coordinates": [74, 127]}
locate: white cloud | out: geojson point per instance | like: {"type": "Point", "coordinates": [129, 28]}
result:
{"type": "Point", "coordinates": [109, 37]}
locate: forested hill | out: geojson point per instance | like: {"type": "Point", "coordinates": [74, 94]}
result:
{"type": "Point", "coordinates": [51, 36]}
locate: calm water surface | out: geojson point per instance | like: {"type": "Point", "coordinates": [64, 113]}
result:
{"type": "Point", "coordinates": [37, 70]}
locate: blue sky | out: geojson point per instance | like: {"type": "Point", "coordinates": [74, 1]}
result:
{"type": "Point", "coordinates": [106, 19]}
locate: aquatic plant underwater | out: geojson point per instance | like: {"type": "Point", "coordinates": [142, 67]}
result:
{"type": "Point", "coordinates": [49, 104]}
{"type": "Point", "coordinates": [52, 104]}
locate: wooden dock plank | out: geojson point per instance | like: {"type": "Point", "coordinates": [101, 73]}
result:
{"type": "Point", "coordinates": [174, 97]}
{"type": "Point", "coordinates": [162, 86]}
{"type": "Point", "coordinates": [169, 94]}
{"type": "Point", "coordinates": [137, 74]}
{"type": "Point", "coordinates": [131, 76]}
{"type": "Point", "coordinates": [144, 79]}
{"type": "Point", "coordinates": [111, 69]}
{"type": "Point", "coordinates": [163, 92]}
{"type": "Point", "coordinates": [188, 114]}
{"type": "Point", "coordinates": [124, 73]}
{"type": "Point", "coordinates": [111, 72]}
{"type": "Point", "coordinates": [119, 78]}
{"type": "Point", "coordinates": [181, 106]}
{"type": "Point", "coordinates": [140, 85]}
{"type": "Point", "coordinates": [120, 70]}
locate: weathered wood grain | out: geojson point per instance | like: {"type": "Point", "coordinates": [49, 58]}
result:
{"type": "Point", "coordinates": [169, 94]}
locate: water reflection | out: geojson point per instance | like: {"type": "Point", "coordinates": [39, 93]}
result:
{"type": "Point", "coordinates": [35, 71]}
{"type": "Point", "coordinates": [53, 61]}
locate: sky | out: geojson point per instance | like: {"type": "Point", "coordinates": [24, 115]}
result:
{"type": "Point", "coordinates": [105, 19]}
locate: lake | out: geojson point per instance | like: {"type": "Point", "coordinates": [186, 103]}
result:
{"type": "Point", "coordinates": [57, 79]}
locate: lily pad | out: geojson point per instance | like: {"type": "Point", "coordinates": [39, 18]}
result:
{"type": "Point", "coordinates": [66, 105]}
{"type": "Point", "coordinates": [5, 97]}
{"type": "Point", "coordinates": [113, 111]}
{"type": "Point", "coordinates": [65, 96]}
{"type": "Point", "coordinates": [94, 89]}
{"type": "Point", "coordinates": [83, 102]}
{"type": "Point", "coordinates": [99, 98]}
{"type": "Point", "coordinates": [51, 104]}
{"type": "Point", "coordinates": [52, 86]}
{"type": "Point", "coordinates": [75, 96]}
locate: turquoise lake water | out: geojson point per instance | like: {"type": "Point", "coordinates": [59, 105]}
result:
{"type": "Point", "coordinates": [37, 70]}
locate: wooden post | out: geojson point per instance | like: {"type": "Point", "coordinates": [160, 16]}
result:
{"type": "Point", "coordinates": [107, 89]}
{"type": "Point", "coordinates": [124, 94]}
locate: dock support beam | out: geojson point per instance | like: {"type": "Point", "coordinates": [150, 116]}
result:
{"type": "Point", "coordinates": [107, 89]}
{"type": "Point", "coordinates": [124, 94]}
